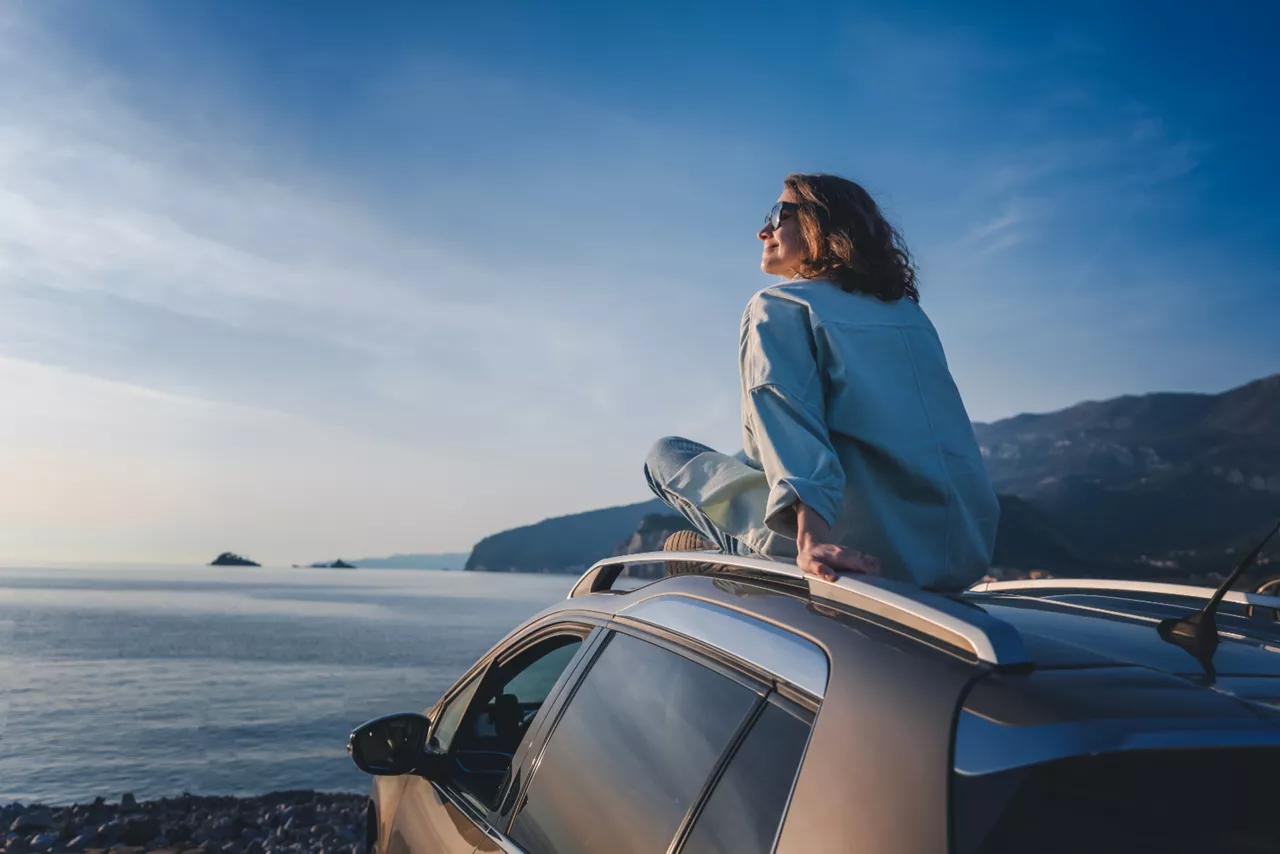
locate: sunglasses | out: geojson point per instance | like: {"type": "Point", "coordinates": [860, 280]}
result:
{"type": "Point", "coordinates": [780, 212]}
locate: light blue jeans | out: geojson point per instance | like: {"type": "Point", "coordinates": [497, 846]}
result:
{"type": "Point", "coordinates": [668, 456]}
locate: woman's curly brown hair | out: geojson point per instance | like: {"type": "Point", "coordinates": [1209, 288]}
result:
{"type": "Point", "coordinates": [848, 240]}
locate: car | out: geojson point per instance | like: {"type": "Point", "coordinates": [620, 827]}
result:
{"type": "Point", "coordinates": [748, 708]}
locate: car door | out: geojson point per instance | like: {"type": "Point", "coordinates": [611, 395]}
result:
{"type": "Point", "coordinates": [659, 749]}
{"type": "Point", "coordinates": [481, 727]}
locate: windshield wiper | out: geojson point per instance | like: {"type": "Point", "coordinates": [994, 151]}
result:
{"type": "Point", "coordinates": [1198, 633]}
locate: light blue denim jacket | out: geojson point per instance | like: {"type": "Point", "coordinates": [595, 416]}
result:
{"type": "Point", "coordinates": [848, 406]}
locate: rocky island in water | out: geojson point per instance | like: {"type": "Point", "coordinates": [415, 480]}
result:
{"type": "Point", "coordinates": [232, 559]}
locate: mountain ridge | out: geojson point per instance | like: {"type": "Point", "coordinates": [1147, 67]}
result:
{"type": "Point", "coordinates": [1146, 474]}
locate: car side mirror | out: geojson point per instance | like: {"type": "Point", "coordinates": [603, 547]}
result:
{"type": "Point", "coordinates": [390, 745]}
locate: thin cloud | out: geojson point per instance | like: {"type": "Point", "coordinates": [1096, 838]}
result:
{"type": "Point", "coordinates": [131, 251]}
{"type": "Point", "coordinates": [325, 343]}
{"type": "Point", "coordinates": [1000, 225]}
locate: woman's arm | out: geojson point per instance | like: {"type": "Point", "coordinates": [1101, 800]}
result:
{"type": "Point", "coordinates": [784, 413]}
{"type": "Point", "coordinates": [823, 558]}
{"type": "Point", "coordinates": [784, 410]}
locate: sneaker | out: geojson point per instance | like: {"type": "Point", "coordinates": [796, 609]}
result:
{"type": "Point", "coordinates": [688, 541]}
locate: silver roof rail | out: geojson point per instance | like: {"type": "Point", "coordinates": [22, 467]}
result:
{"type": "Point", "coordinates": [991, 640]}
{"type": "Point", "coordinates": [1113, 585]}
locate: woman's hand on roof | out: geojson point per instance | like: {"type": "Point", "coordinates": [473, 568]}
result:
{"type": "Point", "coordinates": [823, 558]}
{"type": "Point", "coordinates": [828, 560]}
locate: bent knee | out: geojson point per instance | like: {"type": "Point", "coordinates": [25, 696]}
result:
{"type": "Point", "coordinates": [664, 449]}
{"type": "Point", "coordinates": [669, 454]}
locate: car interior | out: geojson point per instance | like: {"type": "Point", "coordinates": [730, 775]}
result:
{"type": "Point", "coordinates": [501, 713]}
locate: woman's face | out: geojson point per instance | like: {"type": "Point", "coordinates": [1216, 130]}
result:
{"type": "Point", "coordinates": [783, 250]}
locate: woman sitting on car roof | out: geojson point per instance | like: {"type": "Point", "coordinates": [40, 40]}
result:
{"type": "Point", "coordinates": [858, 453]}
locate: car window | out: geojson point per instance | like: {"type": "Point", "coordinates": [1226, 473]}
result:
{"type": "Point", "coordinates": [501, 712]}
{"type": "Point", "coordinates": [745, 808]}
{"type": "Point", "coordinates": [631, 753]}
{"type": "Point", "coordinates": [532, 684]}
{"type": "Point", "coordinates": [451, 715]}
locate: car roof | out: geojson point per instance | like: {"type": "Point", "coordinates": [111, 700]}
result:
{"type": "Point", "coordinates": [942, 619]}
{"type": "Point", "coordinates": [1011, 627]}
{"type": "Point", "coordinates": [1075, 627]}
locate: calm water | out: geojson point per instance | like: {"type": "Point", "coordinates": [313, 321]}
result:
{"type": "Point", "coordinates": [227, 681]}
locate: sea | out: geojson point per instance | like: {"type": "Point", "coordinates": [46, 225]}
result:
{"type": "Point", "coordinates": [229, 681]}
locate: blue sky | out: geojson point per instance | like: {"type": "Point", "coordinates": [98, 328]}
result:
{"type": "Point", "coordinates": [308, 280]}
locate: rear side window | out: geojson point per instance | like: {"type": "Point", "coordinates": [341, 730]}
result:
{"type": "Point", "coordinates": [632, 752]}
{"type": "Point", "coordinates": [745, 809]}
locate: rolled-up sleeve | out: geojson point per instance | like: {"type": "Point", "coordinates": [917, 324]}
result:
{"type": "Point", "coordinates": [784, 411]}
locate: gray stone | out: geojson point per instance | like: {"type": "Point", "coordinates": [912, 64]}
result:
{"type": "Point", "coordinates": [303, 812]}
{"type": "Point", "coordinates": [128, 803]}
{"type": "Point", "coordinates": [32, 820]}
{"type": "Point", "coordinates": [139, 829]}
{"type": "Point", "coordinates": [42, 842]}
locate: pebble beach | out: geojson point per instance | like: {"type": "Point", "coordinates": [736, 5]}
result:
{"type": "Point", "coordinates": [297, 822]}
